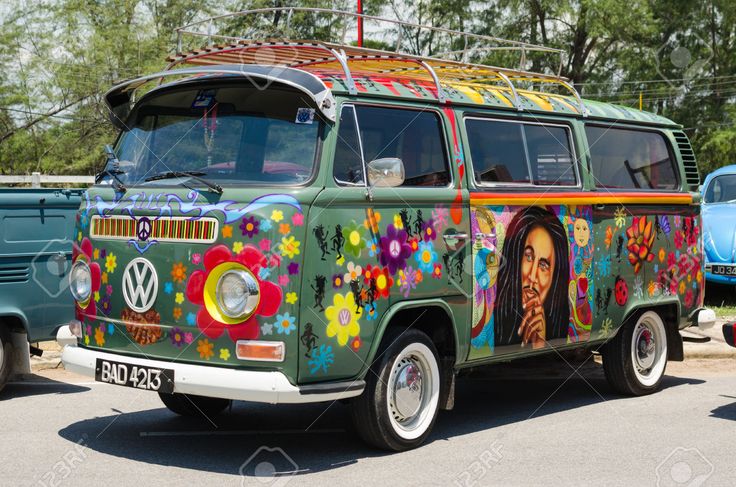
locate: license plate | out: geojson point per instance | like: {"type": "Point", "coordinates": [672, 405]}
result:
{"type": "Point", "coordinates": [723, 270]}
{"type": "Point", "coordinates": [137, 376]}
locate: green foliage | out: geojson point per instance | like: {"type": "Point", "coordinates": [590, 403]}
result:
{"type": "Point", "coordinates": [58, 57]}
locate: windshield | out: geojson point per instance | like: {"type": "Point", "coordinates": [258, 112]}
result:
{"type": "Point", "coordinates": [721, 189]}
{"type": "Point", "coordinates": [226, 135]}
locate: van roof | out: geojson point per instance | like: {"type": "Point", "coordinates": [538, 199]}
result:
{"type": "Point", "coordinates": [444, 79]}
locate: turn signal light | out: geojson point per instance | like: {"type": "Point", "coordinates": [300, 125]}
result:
{"type": "Point", "coordinates": [261, 351]}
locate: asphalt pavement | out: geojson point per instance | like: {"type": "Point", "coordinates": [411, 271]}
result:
{"type": "Point", "coordinates": [545, 422]}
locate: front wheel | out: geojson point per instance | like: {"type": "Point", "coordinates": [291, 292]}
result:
{"type": "Point", "coordinates": [399, 405]}
{"type": "Point", "coordinates": [634, 361]}
{"type": "Point", "coordinates": [196, 406]}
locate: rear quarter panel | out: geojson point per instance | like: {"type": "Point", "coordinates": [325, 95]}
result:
{"type": "Point", "coordinates": [37, 229]}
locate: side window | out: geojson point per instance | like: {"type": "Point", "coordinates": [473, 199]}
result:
{"type": "Point", "coordinates": [630, 159]}
{"type": "Point", "coordinates": [416, 137]}
{"type": "Point", "coordinates": [497, 149]}
{"type": "Point", "coordinates": [348, 167]}
{"type": "Point", "coordinates": [550, 157]}
{"type": "Point", "coordinates": [520, 153]}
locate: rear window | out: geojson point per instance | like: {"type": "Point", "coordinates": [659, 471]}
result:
{"type": "Point", "coordinates": [630, 159]}
{"type": "Point", "coordinates": [722, 189]}
{"type": "Point", "coordinates": [520, 153]}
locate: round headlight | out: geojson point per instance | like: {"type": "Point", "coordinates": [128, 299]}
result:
{"type": "Point", "coordinates": [80, 280]}
{"type": "Point", "coordinates": [237, 293]}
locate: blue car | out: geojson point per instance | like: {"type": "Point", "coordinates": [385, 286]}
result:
{"type": "Point", "coordinates": [719, 225]}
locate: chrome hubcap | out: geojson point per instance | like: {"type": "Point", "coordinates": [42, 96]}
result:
{"type": "Point", "coordinates": [646, 347]}
{"type": "Point", "coordinates": [407, 392]}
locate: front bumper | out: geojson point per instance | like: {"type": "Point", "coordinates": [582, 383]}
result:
{"type": "Point", "coordinates": [719, 279]}
{"type": "Point", "coordinates": [202, 380]}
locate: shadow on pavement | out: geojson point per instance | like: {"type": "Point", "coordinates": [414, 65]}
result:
{"type": "Point", "coordinates": [256, 440]}
{"type": "Point", "coordinates": [727, 411]}
{"type": "Point", "coordinates": [35, 385]}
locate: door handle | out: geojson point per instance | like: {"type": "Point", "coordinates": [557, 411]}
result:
{"type": "Point", "coordinates": [455, 236]}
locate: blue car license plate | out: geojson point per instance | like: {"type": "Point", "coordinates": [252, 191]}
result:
{"type": "Point", "coordinates": [723, 269]}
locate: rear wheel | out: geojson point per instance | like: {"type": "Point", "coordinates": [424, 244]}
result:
{"type": "Point", "coordinates": [635, 359]}
{"type": "Point", "coordinates": [6, 355]}
{"type": "Point", "coordinates": [399, 405]}
{"type": "Point", "coordinates": [197, 406]}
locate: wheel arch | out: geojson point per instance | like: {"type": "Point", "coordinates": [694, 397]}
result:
{"type": "Point", "coordinates": [669, 310]}
{"type": "Point", "coordinates": [13, 320]}
{"type": "Point", "coordinates": [422, 315]}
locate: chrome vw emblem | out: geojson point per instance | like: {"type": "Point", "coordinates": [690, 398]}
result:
{"type": "Point", "coordinates": [143, 229]}
{"type": "Point", "coordinates": [140, 285]}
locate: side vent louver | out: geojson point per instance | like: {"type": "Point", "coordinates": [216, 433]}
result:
{"type": "Point", "coordinates": [692, 177]}
{"type": "Point", "coordinates": [13, 273]}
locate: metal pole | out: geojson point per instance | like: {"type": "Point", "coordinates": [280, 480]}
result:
{"type": "Point", "coordinates": [360, 23]}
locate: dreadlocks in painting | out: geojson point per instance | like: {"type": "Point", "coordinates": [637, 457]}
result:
{"type": "Point", "coordinates": [532, 302]}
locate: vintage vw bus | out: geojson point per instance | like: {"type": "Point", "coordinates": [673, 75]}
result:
{"type": "Point", "coordinates": [352, 224]}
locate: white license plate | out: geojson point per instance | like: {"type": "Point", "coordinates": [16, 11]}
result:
{"type": "Point", "coordinates": [137, 376]}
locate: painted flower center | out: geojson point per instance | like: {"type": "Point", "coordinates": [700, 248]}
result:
{"type": "Point", "coordinates": [285, 323]}
{"type": "Point", "coordinates": [394, 248]}
{"type": "Point", "coordinates": [381, 282]}
{"type": "Point", "coordinates": [429, 231]}
{"type": "Point", "coordinates": [338, 281]}
{"type": "Point", "coordinates": [426, 257]}
{"type": "Point", "coordinates": [354, 238]}
{"type": "Point", "coordinates": [249, 227]}
{"type": "Point", "coordinates": [344, 316]}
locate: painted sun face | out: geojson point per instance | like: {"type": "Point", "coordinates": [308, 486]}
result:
{"type": "Point", "coordinates": [537, 264]}
{"type": "Point", "coordinates": [581, 232]}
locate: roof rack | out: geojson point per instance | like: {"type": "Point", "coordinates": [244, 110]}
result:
{"type": "Point", "coordinates": [261, 47]}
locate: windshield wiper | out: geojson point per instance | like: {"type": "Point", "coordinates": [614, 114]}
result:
{"type": "Point", "coordinates": [112, 159]}
{"type": "Point", "coordinates": [187, 174]}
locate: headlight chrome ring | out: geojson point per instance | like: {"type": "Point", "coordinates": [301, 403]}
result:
{"type": "Point", "coordinates": [238, 293]}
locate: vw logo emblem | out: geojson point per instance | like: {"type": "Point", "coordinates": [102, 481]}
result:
{"type": "Point", "coordinates": [140, 285]}
{"type": "Point", "coordinates": [143, 229]}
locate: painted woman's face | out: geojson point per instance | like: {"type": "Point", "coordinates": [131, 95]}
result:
{"type": "Point", "coordinates": [581, 232]}
{"type": "Point", "coordinates": [538, 265]}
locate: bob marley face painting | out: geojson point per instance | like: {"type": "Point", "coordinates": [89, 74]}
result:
{"type": "Point", "coordinates": [537, 288]}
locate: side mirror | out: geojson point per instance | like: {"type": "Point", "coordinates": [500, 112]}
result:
{"type": "Point", "coordinates": [387, 172]}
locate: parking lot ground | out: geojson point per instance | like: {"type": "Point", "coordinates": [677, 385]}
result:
{"type": "Point", "coordinates": [526, 423]}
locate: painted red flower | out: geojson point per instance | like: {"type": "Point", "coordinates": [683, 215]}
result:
{"type": "Point", "coordinates": [689, 298]}
{"type": "Point", "coordinates": [202, 284]}
{"type": "Point", "coordinates": [641, 238]}
{"type": "Point", "coordinates": [383, 282]}
{"type": "Point", "coordinates": [85, 252]}
{"type": "Point", "coordinates": [679, 239]}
